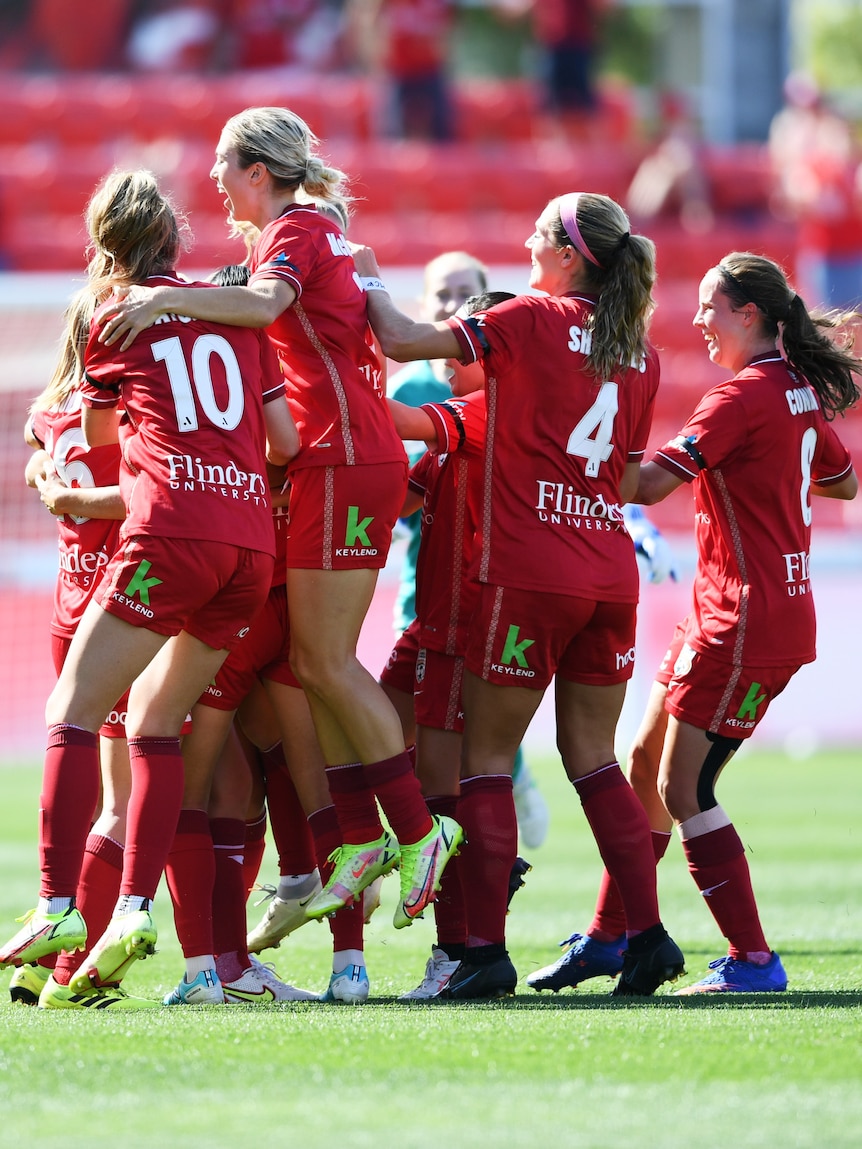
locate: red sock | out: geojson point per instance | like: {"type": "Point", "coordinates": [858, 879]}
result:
{"type": "Point", "coordinates": [450, 914]}
{"type": "Point", "coordinates": [621, 829]}
{"type": "Point", "coordinates": [609, 921]}
{"type": "Point", "coordinates": [97, 895]}
{"type": "Point", "coordinates": [153, 814]}
{"type": "Point", "coordinates": [252, 854]}
{"type": "Point", "coordinates": [190, 873]}
{"type": "Point", "coordinates": [346, 925]}
{"type": "Point", "coordinates": [399, 793]}
{"type": "Point", "coordinates": [228, 898]}
{"type": "Point", "coordinates": [717, 862]}
{"type": "Point", "coordinates": [70, 792]}
{"type": "Point", "coordinates": [354, 804]}
{"type": "Point", "coordinates": [486, 811]}
{"type": "Point", "coordinates": [288, 821]}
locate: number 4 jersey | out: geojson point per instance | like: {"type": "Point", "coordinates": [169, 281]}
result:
{"type": "Point", "coordinates": [192, 433]}
{"type": "Point", "coordinates": [751, 449]}
{"type": "Point", "coordinates": [557, 444]}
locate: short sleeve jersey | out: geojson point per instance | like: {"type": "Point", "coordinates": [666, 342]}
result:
{"type": "Point", "coordinates": [750, 450]}
{"type": "Point", "coordinates": [334, 381]}
{"type": "Point", "coordinates": [450, 478]}
{"type": "Point", "coordinates": [84, 545]}
{"type": "Point", "coordinates": [192, 433]}
{"type": "Point", "coordinates": [558, 441]}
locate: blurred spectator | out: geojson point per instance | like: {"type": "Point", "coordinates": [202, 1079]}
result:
{"type": "Point", "coordinates": [170, 36]}
{"type": "Point", "coordinates": [670, 182]}
{"type": "Point", "coordinates": [284, 33]}
{"type": "Point", "coordinates": [818, 184]}
{"type": "Point", "coordinates": [406, 43]}
{"type": "Point", "coordinates": [78, 37]}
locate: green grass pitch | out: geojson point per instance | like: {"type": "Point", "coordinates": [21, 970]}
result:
{"type": "Point", "coordinates": [531, 1072]}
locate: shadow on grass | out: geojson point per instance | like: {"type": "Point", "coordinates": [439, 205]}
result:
{"type": "Point", "coordinates": [827, 999]}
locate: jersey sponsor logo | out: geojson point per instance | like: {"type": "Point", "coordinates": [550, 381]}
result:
{"type": "Point", "coordinates": [193, 474]}
{"type": "Point", "coordinates": [801, 399]}
{"type": "Point", "coordinates": [751, 702]}
{"type": "Point", "coordinates": [558, 503]}
{"type": "Point", "coordinates": [140, 585]}
{"type": "Point", "coordinates": [798, 573]}
{"type": "Point", "coordinates": [625, 659]}
{"type": "Point", "coordinates": [357, 529]}
{"type": "Point", "coordinates": [74, 560]}
{"type": "Point", "coordinates": [513, 660]}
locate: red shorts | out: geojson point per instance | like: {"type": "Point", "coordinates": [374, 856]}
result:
{"type": "Point", "coordinates": [437, 696]}
{"type": "Point", "coordinates": [665, 671]}
{"type": "Point", "coordinates": [263, 653]}
{"type": "Point", "coordinates": [712, 695]}
{"type": "Point", "coordinates": [210, 590]}
{"type": "Point", "coordinates": [520, 638]}
{"type": "Point", "coordinates": [399, 673]}
{"type": "Point", "coordinates": [341, 518]}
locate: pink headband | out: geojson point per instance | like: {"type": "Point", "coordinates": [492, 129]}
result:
{"type": "Point", "coordinates": [569, 217]}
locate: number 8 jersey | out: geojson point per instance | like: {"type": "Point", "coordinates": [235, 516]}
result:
{"type": "Point", "coordinates": [558, 442]}
{"type": "Point", "coordinates": [192, 433]}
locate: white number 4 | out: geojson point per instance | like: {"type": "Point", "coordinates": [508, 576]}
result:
{"type": "Point", "coordinates": [591, 439]}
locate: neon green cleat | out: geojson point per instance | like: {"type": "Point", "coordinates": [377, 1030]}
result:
{"type": "Point", "coordinates": [27, 983]}
{"type": "Point", "coordinates": [127, 939]}
{"type": "Point", "coordinates": [56, 996]}
{"type": "Point", "coordinates": [422, 864]}
{"type": "Point", "coordinates": [44, 934]}
{"type": "Point", "coordinates": [354, 868]}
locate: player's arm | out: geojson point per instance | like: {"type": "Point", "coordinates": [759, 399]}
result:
{"type": "Point", "coordinates": [654, 484]}
{"type": "Point", "coordinates": [845, 489]}
{"type": "Point", "coordinates": [101, 426]}
{"type": "Point", "coordinates": [281, 433]}
{"type": "Point", "coordinates": [401, 338]}
{"type": "Point", "coordinates": [257, 305]}
{"type": "Point", "coordinates": [38, 466]}
{"type": "Point", "coordinates": [413, 500]}
{"type": "Point", "coordinates": [85, 502]}
{"type": "Point", "coordinates": [412, 422]}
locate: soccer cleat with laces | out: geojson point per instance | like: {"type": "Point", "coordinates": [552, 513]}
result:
{"type": "Point", "coordinates": [350, 985]}
{"type": "Point", "coordinates": [204, 989]}
{"type": "Point", "coordinates": [55, 996]}
{"type": "Point", "coordinates": [128, 938]}
{"type": "Point", "coordinates": [584, 959]}
{"type": "Point", "coordinates": [438, 971]}
{"type": "Point", "coordinates": [27, 983]}
{"type": "Point", "coordinates": [43, 934]}
{"type": "Point", "coordinates": [483, 978]}
{"type": "Point", "coordinates": [652, 957]}
{"type": "Point", "coordinates": [260, 985]}
{"type": "Point", "coordinates": [422, 864]}
{"type": "Point", "coordinates": [282, 917]}
{"type": "Point", "coordinates": [732, 975]}
{"type": "Point", "coordinates": [354, 868]}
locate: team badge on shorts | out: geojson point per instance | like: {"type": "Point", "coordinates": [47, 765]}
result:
{"type": "Point", "coordinates": [684, 661]}
{"type": "Point", "coordinates": [420, 665]}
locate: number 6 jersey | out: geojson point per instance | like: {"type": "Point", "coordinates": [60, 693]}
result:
{"type": "Point", "coordinates": [557, 445]}
{"type": "Point", "coordinates": [192, 433]}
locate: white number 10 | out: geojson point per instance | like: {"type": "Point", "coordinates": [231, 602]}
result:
{"type": "Point", "coordinates": [170, 352]}
{"type": "Point", "coordinates": [591, 439]}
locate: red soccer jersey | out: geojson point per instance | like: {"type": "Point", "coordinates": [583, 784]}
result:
{"type": "Point", "coordinates": [334, 383]}
{"type": "Point", "coordinates": [85, 545]}
{"type": "Point", "coordinates": [751, 450]}
{"type": "Point", "coordinates": [192, 435]}
{"type": "Point", "coordinates": [450, 479]}
{"type": "Point", "coordinates": [557, 445]}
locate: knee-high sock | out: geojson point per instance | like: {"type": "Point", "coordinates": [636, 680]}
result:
{"type": "Point", "coordinates": [399, 793]}
{"type": "Point", "coordinates": [347, 925]}
{"type": "Point", "coordinates": [450, 913]}
{"type": "Point", "coordinates": [253, 850]}
{"type": "Point", "coordinates": [717, 862]}
{"type": "Point", "coordinates": [190, 874]}
{"type": "Point", "coordinates": [228, 904]}
{"type": "Point", "coordinates": [354, 804]}
{"type": "Point", "coordinates": [622, 832]}
{"type": "Point", "coordinates": [287, 819]}
{"type": "Point", "coordinates": [70, 791]}
{"type": "Point", "coordinates": [97, 894]}
{"type": "Point", "coordinates": [154, 810]}
{"type": "Point", "coordinates": [486, 811]}
{"type": "Point", "coordinates": [609, 920]}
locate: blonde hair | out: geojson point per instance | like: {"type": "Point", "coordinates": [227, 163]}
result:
{"type": "Point", "coordinates": [70, 361]}
{"type": "Point", "coordinates": [623, 278]}
{"type": "Point", "coordinates": [284, 143]}
{"type": "Point", "coordinates": [134, 230]}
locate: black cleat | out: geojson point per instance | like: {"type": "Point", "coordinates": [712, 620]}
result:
{"type": "Point", "coordinates": [485, 973]}
{"type": "Point", "coordinates": [651, 959]}
{"type": "Point", "coordinates": [516, 877]}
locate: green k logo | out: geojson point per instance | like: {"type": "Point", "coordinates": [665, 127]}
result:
{"type": "Point", "coordinates": [751, 702]}
{"type": "Point", "coordinates": [357, 529]}
{"type": "Point", "coordinates": [513, 651]}
{"type": "Point", "coordinates": [140, 584]}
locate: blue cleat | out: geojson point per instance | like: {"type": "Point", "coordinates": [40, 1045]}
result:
{"type": "Point", "coordinates": [732, 975]}
{"type": "Point", "coordinates": [584, 959]}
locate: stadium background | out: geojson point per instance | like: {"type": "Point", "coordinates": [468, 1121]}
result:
{"type": "Point", "coordinates": [60, 131]}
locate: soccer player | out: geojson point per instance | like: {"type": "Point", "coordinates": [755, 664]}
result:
{"type": "Point", "coordinates": [570, 387]}
{"type": "Point", "coordinates": [754, 451]}
{"type": "Point", "coordinates": [193, 566]}
{"type": "Point", "coordinates": [347, 486]}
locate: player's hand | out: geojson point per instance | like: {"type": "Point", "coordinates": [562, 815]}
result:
{"type": "Point", "coordinates": [131, 311]}
{"type": "Point", "coordinates": [51, 491]}
{"type": "Point", "coordinates": [364, 260]}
